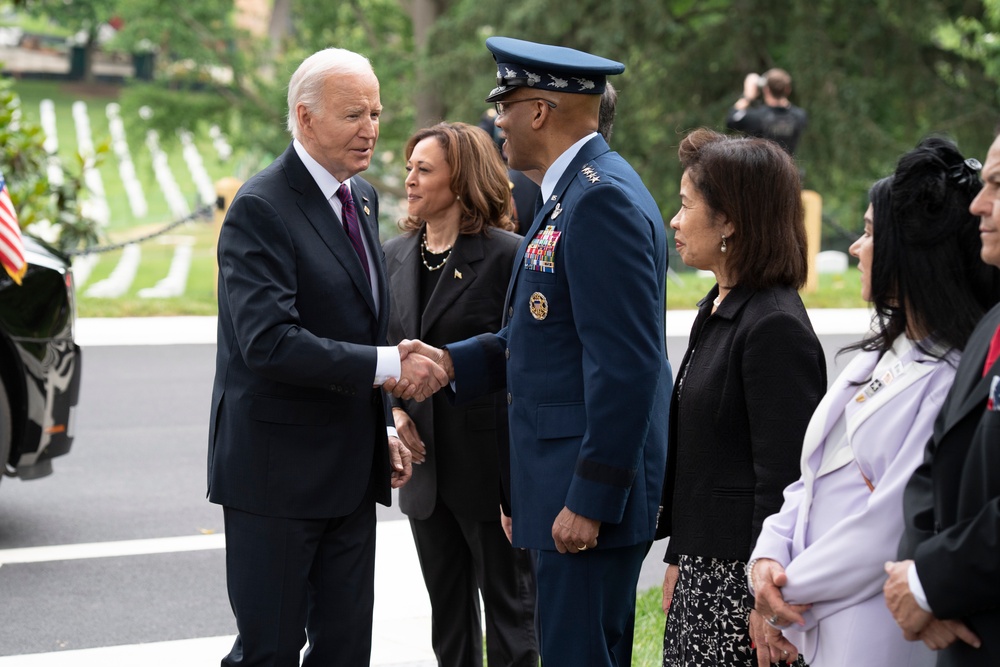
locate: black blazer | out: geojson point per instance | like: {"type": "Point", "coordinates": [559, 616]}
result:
{"type": "Point", "coordinates": [952, 507]}
{"type": "Point", "coordinates": [751, 378]}
{"type": "Point", "coordinates": [296, 429]}
{"type": "Point", "coordinates": [462, 441]}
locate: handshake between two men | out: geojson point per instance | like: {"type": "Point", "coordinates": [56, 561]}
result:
{"type": "Point", "coordinates": [424, 370]}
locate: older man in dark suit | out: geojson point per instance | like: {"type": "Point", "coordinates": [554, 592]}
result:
{"type": "Point", "coordinates": [946, 588]}
{"type": "Point", "coordinates": [298, 446]}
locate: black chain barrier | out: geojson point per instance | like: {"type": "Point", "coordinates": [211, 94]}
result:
{"type": "Point", "coordinates": [198, 214]}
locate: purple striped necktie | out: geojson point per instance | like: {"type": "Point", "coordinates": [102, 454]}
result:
{"type": "Point", "coordinates": [353, 229]}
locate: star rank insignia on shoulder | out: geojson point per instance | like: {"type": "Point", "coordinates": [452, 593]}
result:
{"type": "Point", "coordinates": [590, 173]}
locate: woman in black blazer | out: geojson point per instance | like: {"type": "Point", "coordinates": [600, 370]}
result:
{"type": "Point", "coordinates": [753, 373]}
{"type": "Point", "coordinates": [448, 276]}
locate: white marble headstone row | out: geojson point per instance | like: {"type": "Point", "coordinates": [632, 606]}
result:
{"type": "Point", "coordinates": [206, 189]}
{"type": "Point", "coordinates": [96, 206]}
{"type": "Point", "coordinates": [126, 168]}
{"type": "Point", "coordinates": [165, 177]}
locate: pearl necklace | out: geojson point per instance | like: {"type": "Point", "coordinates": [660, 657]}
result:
{"type": "Point", "coordinates": [423, 256]}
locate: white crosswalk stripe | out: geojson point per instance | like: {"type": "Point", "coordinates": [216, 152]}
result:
{"type": "Point", "coordinates": [400, 635]}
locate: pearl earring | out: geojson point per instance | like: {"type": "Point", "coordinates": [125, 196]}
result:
{"type": "Point", "coordinates": [723, 248]}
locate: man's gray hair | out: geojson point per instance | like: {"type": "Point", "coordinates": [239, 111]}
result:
{"type": "Point", "coordinates": [306, 84]}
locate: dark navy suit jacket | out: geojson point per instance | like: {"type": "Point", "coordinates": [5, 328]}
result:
{"type": "Point", "coordinates": [582, 356]}
{"type": "Point", "coordinates": [951, 507]}
{"type": "Point", "coordinates": [296, 429]}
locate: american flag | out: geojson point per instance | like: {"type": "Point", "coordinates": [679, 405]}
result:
{"type": "Point", "coordinates": [11, 245]}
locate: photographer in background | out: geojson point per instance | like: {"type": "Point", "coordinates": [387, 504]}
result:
{"type": "Point", "coordinates": [777, 119]}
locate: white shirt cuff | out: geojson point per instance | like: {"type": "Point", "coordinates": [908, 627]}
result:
{"type": "Point", "coordinates": [388, 366]}
{"type": "Point", "coordinates": [917, 589]}
{"type": "Point", "coordinates": [391, 432]}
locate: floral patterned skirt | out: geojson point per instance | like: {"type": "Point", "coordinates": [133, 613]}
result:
{"type": "Point", "coordinates": [707, 625]}
{"type": "Point", "coordinates": [707, 621]}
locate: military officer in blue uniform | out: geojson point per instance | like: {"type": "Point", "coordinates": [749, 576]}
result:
{"type": "Point", "coordinates": [581, 357]}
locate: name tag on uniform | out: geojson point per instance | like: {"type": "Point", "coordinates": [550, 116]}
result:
{"type": "Point", "coordinates": [993, 404]}
{"type": "Point", "coordinates": [541, 252]}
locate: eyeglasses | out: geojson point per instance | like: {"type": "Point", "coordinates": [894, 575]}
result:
{"type": "Point", "coordinates": [501, 107]}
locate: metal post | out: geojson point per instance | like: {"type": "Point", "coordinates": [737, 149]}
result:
{"type": "Point", "coordinates": [225, 191]}
{"type": "Point", "coordinates": [812, 202]}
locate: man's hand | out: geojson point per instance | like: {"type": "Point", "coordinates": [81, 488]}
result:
{"type": "Point", "coordinates": [750, 91]}
{"type": "Point", "coordinates": [669, 584]}
{"type": "Point", "coordinates": [900, 601]}
{"type": "Point", "coordinates": [574, 533]}
{"type": "Point", "coordinates": [408, 434]}
{"type": "Point", "coordinates": [399, 459]}
{"type": "Point", "coordinates": [420, 376]}
{"type": "Point", "coordinates": [768, 579]}
{"type": "Point", "coordinates": [940, 634]}
{"type": "Point", "coordinates": [508, 526]}
{"type": "Point", "coordinates": [439, 356]}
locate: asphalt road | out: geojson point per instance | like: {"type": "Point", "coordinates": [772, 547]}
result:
{"type": "Point", "coordinates": [137, 472]}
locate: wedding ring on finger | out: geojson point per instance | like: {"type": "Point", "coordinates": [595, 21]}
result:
{"type": "Point", "coordinates": [583, 548]}
{"type": "Point", "coordinates": [773, 622]}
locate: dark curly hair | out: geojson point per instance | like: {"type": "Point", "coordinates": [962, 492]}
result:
{"type": "Point", "coordinates": [926, 273]}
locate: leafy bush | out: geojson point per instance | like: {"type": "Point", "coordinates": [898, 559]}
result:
{"type": "Point", "coordinates": [23, 161]}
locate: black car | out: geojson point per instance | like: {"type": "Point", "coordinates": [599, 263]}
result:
{"type": "Point", "coordinates": [39, 363]}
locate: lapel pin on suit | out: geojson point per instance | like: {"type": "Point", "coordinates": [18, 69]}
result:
{"type": "Point", "coordinates": [458, 274]}
{"type": "Point", "coordinates": [367, 210]}
{"type": "Point", "coordinates": [556, 211]}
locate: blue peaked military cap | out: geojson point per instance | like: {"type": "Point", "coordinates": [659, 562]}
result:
{"type": "Point", "coordinates": [522, 64]}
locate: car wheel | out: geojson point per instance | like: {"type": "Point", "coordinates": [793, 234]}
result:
{"type": "Point", "coordinates": [6, 428]}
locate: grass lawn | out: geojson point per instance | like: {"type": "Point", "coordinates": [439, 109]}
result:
{"type": "Point", "coordinates": [97, 97]}
{"type": "Point", "coordinates": [198, 299]}
{"type": "Point", "coordinates": [647, 647]}
{"type": "Point", "coordinates": [835, 291]}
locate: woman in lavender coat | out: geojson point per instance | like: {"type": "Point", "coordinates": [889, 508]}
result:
{"type": "Point", "coordinates": [817, 568]}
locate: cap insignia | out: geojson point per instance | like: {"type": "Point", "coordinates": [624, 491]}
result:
{"type": "Point", "coordinates": [585, 84]}
{"type": "Point", "coordinates": [533, 78]}
{"type": "Point", "coordinates": [557, 82]}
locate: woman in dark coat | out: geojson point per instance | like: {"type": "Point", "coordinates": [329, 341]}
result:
{"type": "Point", "coordinates": [752, 375]}
{"type": "Point", "coordinates": [448, 276]}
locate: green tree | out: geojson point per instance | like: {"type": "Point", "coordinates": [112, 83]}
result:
{"type": "Point", "coordinates": [84, 17]}
{"type": "Point", "coordinates": [23, 162]}
{"type": "Point", "coordinates": [975, 38]}
{"type": "Point", "coordinates": [875, 77]}
{"type": "Point", "coordinates": [208, 70]}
